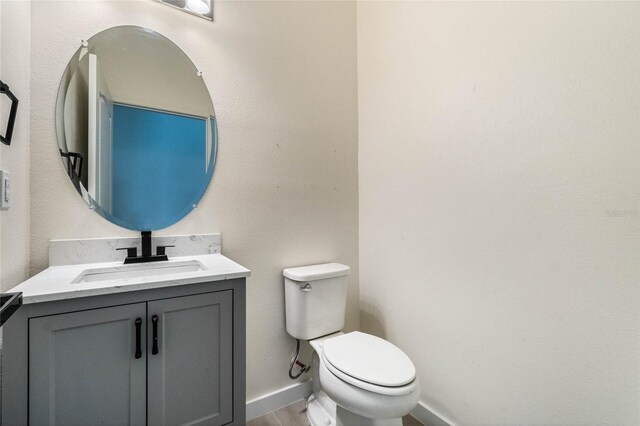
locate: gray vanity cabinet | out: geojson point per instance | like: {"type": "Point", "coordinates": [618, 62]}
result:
{"type": "Point", "coordinates": [78, 361]}
{"type": "Point", "coordinates": [190, 381]}
{"type": "Point", "coordinates": [83, 368]}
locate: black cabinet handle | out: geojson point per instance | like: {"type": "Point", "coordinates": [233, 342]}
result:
{"type": "Point", "coordinates": [138, 338]}
{"type": "Point", "coordinates": [154, 346]}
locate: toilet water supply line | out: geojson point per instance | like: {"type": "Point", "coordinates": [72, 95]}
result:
{"type": "Point", "coordinates": [294, 361]}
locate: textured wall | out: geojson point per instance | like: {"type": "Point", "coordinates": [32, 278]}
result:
{"type": "Point", "coordinates": [499, 193]}
{"type": "Point", "coordinates": [282, 76]}
{"type": "Point", "coordinates": [14, 71]}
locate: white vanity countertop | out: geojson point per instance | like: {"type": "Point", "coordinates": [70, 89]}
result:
{"type": "Point", "coordinates": [57, 282]}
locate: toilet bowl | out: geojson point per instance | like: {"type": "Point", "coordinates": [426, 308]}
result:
{"type": "Point", "coordinates": [368, 377]}
{"type": "Point", "coordinates": [358, 379]}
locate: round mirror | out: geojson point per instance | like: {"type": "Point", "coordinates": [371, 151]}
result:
{"type": "Point", "coordinates": [136, 128]}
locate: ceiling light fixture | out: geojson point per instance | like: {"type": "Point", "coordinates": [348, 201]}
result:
{"type": "Point", "coordinates": [201, 8]}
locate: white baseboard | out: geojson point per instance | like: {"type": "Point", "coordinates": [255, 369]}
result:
{"type": "Point", "coordinates": [429, 417]}
{"type": "Point", "coordinates": [277, 399]}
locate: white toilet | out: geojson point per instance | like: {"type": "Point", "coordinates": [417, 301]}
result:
{"type": "Point", "coordinates": [358, 379]}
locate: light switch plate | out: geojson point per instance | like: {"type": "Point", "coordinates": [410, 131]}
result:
{"type": "Point", "coordinates": [5, 190]}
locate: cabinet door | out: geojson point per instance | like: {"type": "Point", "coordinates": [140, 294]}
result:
{"type": "Point", "coordinates": [83, 368]}
{"type": "Point", "coordinates": [190, 377]}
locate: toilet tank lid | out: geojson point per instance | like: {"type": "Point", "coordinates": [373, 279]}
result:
{"type": "Point", "coordinates": [316, 272]}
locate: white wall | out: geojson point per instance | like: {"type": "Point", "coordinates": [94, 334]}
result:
{"type": "Point", "coordinates": [282, 76]}
{"type": "Point", "coordinates": [499, 192]}
{"type": "Point", "coordinates": [14, 71]}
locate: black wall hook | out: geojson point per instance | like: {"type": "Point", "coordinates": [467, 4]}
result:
{"type": "Point", "coordinates": [6, 139]}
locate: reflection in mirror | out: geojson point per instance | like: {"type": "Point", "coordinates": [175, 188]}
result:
{"type": "Point", "coordinates": [136, 128]}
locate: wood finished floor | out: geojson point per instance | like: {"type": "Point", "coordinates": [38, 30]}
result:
{"type": "Point", "coordinates": [296, 415]}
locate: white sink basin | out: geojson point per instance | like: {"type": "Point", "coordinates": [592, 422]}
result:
{"type": "Point", "coordinates": [138, 270]}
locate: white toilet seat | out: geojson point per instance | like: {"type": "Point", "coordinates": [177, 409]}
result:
{"type": "Point", "coordinates": [382, 390]}
{"type": "Point", "coordinates": [369, 362]}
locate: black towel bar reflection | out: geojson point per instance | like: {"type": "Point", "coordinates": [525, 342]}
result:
{"type": "Point", "coordinates": [4, 89]}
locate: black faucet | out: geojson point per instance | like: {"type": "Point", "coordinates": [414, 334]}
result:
{"type": "Point", "coordinates": [132, 252]}
{"type": "Point", "coordinates": [146, 243]}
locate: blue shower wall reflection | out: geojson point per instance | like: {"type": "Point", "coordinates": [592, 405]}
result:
{"type": "Point", "coordinates": [160, 166]}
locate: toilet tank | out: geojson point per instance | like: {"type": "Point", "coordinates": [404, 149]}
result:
{"type": "Point", "coordinates": [315, 299]}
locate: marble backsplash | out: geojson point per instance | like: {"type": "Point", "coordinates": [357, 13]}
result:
{"type": "Point", "coordinates": [94, 250]}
